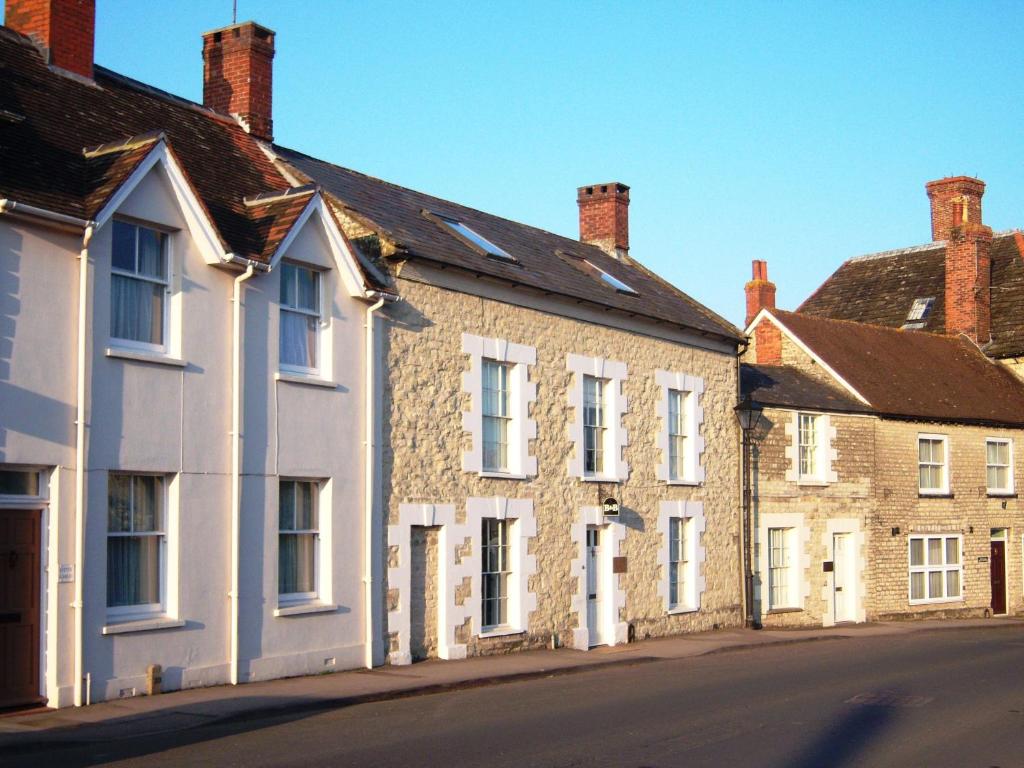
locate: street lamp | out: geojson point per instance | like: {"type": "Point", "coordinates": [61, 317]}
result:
{"type": "Point", "coordinates": [749, 414]}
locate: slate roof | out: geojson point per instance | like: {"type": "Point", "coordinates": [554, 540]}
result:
{"type": "Point", "coordinates": [910, 374]}
{"type": "Point", "coordinates": [881, 289]}
{"type": "Point", "coordinates": [786, 386]}
{"type": "Point", "coordinates": [48, 120]}
{"type": "Point", "coordinates": [545, 260]}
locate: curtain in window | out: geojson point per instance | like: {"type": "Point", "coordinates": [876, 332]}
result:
{"type": "Point", "coordinates": [298, 339]}
{"type": "Point", "coordinates": [135, 523]}
{"type": "Point", "coordinates": [136, 310]}
{"type": "Point", "coordinates": [297, 521]}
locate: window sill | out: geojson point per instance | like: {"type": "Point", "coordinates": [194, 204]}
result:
{"type": "Point", "coordinates": [503, 475]}
{"type": "Point", "coordinates": [680, 609]}
{"type": "Point", "coordinates": [690, 483]}
{"type": "Point", "coordinates": [309, 381]}
{"type": "Point", "coordinates": [142, 625]}
{"type": "Point", "coordinates": [776, 611]}
{"type": "Point", "coordinates": [601, 479]}
{"type": "Point", "coordinates": [145, 357]}
{"type": "Point", "coordinates": [808, 483]}
{"type": "Point", "coordinates": [501, 632]}
{"type": "Point", "coordinates": [1002, 495]}
{"type": "Point", "coordinates": [937, 495]}
{"type": "Point", "coordinates": [937, 601]}
{"type": "Point", "coordinates": [300, 609]}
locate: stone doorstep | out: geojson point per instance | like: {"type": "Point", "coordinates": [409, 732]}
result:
{"type": "Point", "coordinates": [140, 716]}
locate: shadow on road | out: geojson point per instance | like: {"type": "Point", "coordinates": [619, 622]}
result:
{"type": "Point", "coordinates": [844, 739]}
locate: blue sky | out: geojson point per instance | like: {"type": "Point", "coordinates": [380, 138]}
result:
{"type": "Point", "coordinates": [798, 133]}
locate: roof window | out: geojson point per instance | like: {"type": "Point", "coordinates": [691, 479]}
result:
{"type": "Point", "coordinates": [917, 317]}
{"type": "Point", "coordinates": [476, 239]}
{"type": "Point", "coordinates": [597, 273]}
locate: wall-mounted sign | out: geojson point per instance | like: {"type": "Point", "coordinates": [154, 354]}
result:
{"type": "Point", "coordinates": [983, 559]}
{"type": "Point", "coordinates": [828, 566]}
{"type": "Point", "coordinates": [618, 565]}
{"type": "Point", "coordinates": [610, 507]}
{"type": "Point", "coordinates": [66, 573]}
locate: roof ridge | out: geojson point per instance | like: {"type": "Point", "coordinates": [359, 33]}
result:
{"type": "Point", "coordinates": [935, 244]}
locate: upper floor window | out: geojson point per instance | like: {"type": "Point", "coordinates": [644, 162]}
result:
{"type": "Point", "coordinates": [138, 284]}
{"type": "Point", "coordinates": [999, 465]}
{"type": "Point", "coordinates": [497, 415]}
{"type": "Point", "coordinates": [135, 543]}
{"type": "Point", "coordinates": [594, 425]}
{"type": "Point", "coordinates": [680, 416]}
{"type": "Point", "coordinates": [300, 318]}
{"type": "Point", "coordinates": [810, 444]}
{"type": "Point", "coordinates": [932, 464]}
{"type": "Point", "coordinates": [676, 434]}
{"type": "Point", "coordinates": [298, 539]}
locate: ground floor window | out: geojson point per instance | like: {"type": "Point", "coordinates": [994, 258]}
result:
{"type": "Point", "coordinates": [135, 542]}
{"type": "Point", "coordinates": [935, 569]}
{"type": "Point", "coordinates": [780, 544]}
{"type": "Point", "coordinates": [495, 572]}
{"type": "Point", "coordinates": [298, 539]}
{"type": "Point", "coordinates": [679, 577]}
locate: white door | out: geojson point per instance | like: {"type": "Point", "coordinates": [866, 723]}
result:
{"type": "Point", "coordinates": [595, 607]}
{"type": "Point", "coordinates": [844, 586]}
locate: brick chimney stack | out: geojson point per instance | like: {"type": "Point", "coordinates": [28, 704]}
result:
{"type": "Point", "coordinates": [956, 218]}
{"type": "Point", "coordinates": [761, 295]}
{"type": "Point", "coordinates": [65, 29]}
{"type": "Point", "coordinates": [604, 217]}
{"type": "Point", "coordinates": [238, 75]}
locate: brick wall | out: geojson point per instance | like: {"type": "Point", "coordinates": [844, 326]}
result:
{"type": "Point", "coordinates": [65, 27]}
{"type": "Point", "coordinates": [604, 216]}
{"type": "Point", "coordinates": [238, 75]}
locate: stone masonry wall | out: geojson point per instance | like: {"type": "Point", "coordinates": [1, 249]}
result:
{"type": "Point", "coordinates": [423, 443]}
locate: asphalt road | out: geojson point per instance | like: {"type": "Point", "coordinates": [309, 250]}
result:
{"type": "Point", "coordinates": [948, 698]}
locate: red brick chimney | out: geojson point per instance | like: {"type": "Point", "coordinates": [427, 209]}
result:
{"type": "Point", "coordinates": [238, 75]}
{"type": "Point", "coordinates": [65, 29]}
{"type": "Point", "coordinates": [604, 217]}
{"type": "Point", "coordinates": [956, 218]}
{"type": "Point", "coordinates": [761, 295]}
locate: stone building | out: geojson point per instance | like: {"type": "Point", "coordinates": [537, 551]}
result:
{"type": "Point", "coordinates": [529, 380]}
{"type": "Point", "coordinates": [884, 462]}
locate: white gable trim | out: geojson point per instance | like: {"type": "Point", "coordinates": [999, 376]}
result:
{"type": "Point", "coordinates": [199, 225]}
{"type": "Point", "coordinates": [764, 313]}
{"type": "Point", "coordinates": [342, 255]}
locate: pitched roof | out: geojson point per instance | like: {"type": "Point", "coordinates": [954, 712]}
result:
{"type": "Point", "coordinates": [48, 121]}
{"type": "Point", "coordinates": [881, 289]}
{"type": "Point", "coordinates": [912, 374]}
{"type": "Point", "coordinates": [545, 261]}
{"type": "Point", "coordinates": [789, 387]}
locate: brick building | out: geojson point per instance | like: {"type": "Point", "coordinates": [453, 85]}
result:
{"type": "Point", "coordinates": [884, 464]}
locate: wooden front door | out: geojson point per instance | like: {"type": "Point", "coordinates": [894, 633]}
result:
{"type": "Point", "coordinates": [998, 564]}
{"type": "Point", "coordinates": [19, 607]}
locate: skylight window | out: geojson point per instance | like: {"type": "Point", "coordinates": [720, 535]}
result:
{"type": "Point", "coordinates": [614, 282]}
{"type": "Point", "coordinates": [920, 310]}
{"type": "Point", "coordinates": [476, 239]}
{"type": "Point", "coordinates": [596, 272]}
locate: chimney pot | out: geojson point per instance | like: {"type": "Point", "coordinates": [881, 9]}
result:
{"type": "Point", "coordinates": [604, 217]}
{"type": "Point", "coordinates": [65, 29]}
{"type": "Point", "coordinates": [238, 75]}
{"type": "Point", "coordinates": [955, 201]}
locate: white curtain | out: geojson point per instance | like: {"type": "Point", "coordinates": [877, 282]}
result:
{"type": "Point", "coordinates": [136, 310]}
{"type": "Point", "coordinates": [298, 339]}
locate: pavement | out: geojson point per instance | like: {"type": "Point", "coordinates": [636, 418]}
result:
{"type": "Point", "coordinates": [148, 715]}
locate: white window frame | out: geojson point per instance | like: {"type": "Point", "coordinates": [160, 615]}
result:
{"type": "Point", "coordinates": [504, 550]}
{"type": "Point", "coordinates": [692, 515]}
{"type": "Point", "coordinates": [1009, 489]}
{"type": "Point", "coordinates": [825, 456]}
{"type": "Point", "coordinates": [501, 417]}
{"type": "Point", "coordinates": [595, 425]}
{"type": "Point", "coordinates": [943, 490]}
{"type": "Point", "coordinates": [784, 570]}
{"type": "Point", "coordinates": [117, 341]}
{"type": "Point", "coordinates": [614, 405]}
{"type": "Point", "coordinates": [292, 598]}
{"type": "Point", "coordinates": [522, 392]}
{"type": "Point", "coordinates": [798, 543]}
{"type": "Point", "coordinates": [318, 314]}
{"type": "Point", "coordinates": [692, 390]}
{"type": "Point", "coordinates": [143, 610]}
{"type": "Point", "coordinates": [927, 568]}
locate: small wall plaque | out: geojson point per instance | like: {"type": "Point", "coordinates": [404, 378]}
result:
{"type": "Point", "coordinates": [66, 573]}
{"type": "Point", "coordinates": [983, 559]}
{"type": "Point", "coordinates": [827, 566]}
{"type": "Point", "coordinates": [618, 565]}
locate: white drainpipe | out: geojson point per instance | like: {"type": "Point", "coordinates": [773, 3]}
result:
{"type": "Point", "coordinates": [236, 461]}
{"type": "Point", "coordinates": [370, 398]}
{"type": "Point", "coordinates": [83, 305]}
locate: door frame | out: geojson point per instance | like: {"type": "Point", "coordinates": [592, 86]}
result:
{"type": "Point", "coordinates": [849, 580]}
{"type": "Point", "coordinates": [856, 552]}
{"type": "Point", "coordinates": [603, 632]}
{"type": "Point", "coordinates": [613, 534]}
{"type": "Point", "coordinates": [1003, 535]}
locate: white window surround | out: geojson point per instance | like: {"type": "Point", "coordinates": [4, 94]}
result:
{"type": "Point", "coordinates": [165, 280]}
{"type": "Point", "coordinates": [693, 386]}
{"type": "Point", "coordinates": [321, 341]}
{"type": "Point", "coordinates": [927, 567]}
{"type": "Point", "coordinates": [1009, 489]}
{"type": "Point", "coordinates": [614, 373]}
{"type": "Point", "coordinates": [800, 559]}
{"type": "Point", "coordinates": [852, 526]}
{"type": "Point", "coordinates": [943, 489]}
{"type": "Point", "coordinates": [522, 428]}
{"type": "Point", "coordinates": [319, 599]}
{"type": "Point", "coordinates": [694, 581]}
{"type": "Point", "coordinates": [451, 574]}
{"type": "Point", "coordinates": [612, 584]}
{"type": "Point", "coordinates": [827, 455]}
